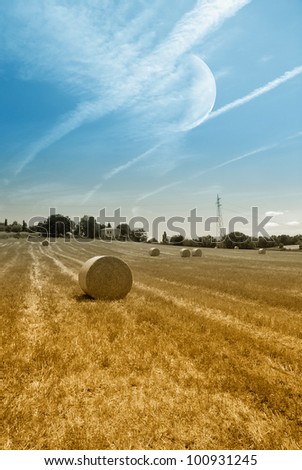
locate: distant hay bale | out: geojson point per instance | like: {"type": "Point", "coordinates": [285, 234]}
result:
{"type": "Point", "coordinates": [262, 251]}
{"type": "Point", "coordinates": [68, 234]}
{"type": "Point", "coordinates": [185, 253]}
{"type": "Point", "coordinates": [105, 277]}
{"type": "Point", "coordinates": [45, 243]}
{"type": "Point", "coordinates": [154, 252]}
{"type": "Point", "coordinates": [196, 252]}
{"type": "Point", "coordinates": [236, 247]}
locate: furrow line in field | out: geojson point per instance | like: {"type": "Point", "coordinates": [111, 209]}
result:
{"type": "Point", "coordinates": [55, 245]}
{"type": "Point", "coordinates": [228, 320]}
{"type": "Point", "coordinates": [61, 266]}
{"type": "Point", "coordinates": [102, 249]}
{"type": "Point", "coordinates": [75, 260]}
{"type": "Point", "coordinates": [6, 266]}
{"type": "Point", "coordinates": [31, 322]}
{"type": "Point", "coordinates": [233, 298]}
{"type": "Point", "coordinates": [72, 248]}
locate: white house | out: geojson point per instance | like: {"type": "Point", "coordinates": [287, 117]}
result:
{"type": "Point", "coordinates": [110, 233]}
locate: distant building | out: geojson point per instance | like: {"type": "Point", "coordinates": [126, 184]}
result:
{"type": "Point", "coordinates": [110, 233]}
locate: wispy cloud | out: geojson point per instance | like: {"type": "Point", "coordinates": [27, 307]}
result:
{"type": "Point", "coordinates": [91, 193]}
{"type": "Point", "coordinates": [294, 136]}
{"type": "Point", "coordinates": [222, 73]}
{"type": "Point", "coordinates": [207, 170]}
{"type": "Point", "coordinates": [272, 224]}
{"type": "Point", "coordinates": [236, 159]}
{"type": "Point", "coordinates": [97, 51]}
{"type": "Point", "coordinates": [83, 113]}
{"type": "Point", "coordinates": [213, 168]}
{"type": "Point", "coordinates": [234, 104]}
{"type": "Point", "coordinates": [158, 190]}
{"type": "Point", "coordinates": [196, 24]}
{"type": "Point", "coordinates": [289, 75]}
{"type": "Point", "coordinates": [274, 213]}
{"type": "Point", "coordinates": [115, 171]}
{"type": "Point", "coordinates": [266, 58]}
{"type": "Point", "coordinates": [293, 223]}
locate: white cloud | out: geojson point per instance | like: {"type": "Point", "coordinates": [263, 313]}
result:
{"type": "Point", "coordinates": [274, 213]}
{"type": "Point", "coordinates": [197, 23]}
{"type": "Point", "coordinates": [259, 91]}
{"type": "Point", "coordinates": [293, 223]}
{"type": "Point", "coordinates": [272, 224]}
{"type": "Point", "coordinates": [85, 112]}
{"type": "Point", "coordinates": [222, 73]}
{"type": "Point", "coordinates": [101, 53]}
{"type": "Point", "coordinates": [266, 58]}
{"type": "Point", "coordinates": [216, 167]}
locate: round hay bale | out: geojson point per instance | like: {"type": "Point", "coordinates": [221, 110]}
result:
{"type": "Point", "coordinates": [185, 253]}
{"type": "Point", "coordinates": [196, 252]}
{"type": "Point", "coordinates": [45, 243]}
{"type": "Point", "coordinates": [105, 277]}
{"type": "Point", "coordinates": [262, 251]}
{"type": "Point", "coordinates": [154, 252]}
{"type": "Point", "coordinates": [236, 247]}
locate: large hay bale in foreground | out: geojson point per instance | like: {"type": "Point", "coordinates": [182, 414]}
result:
{"type": "Point", "coordinates": [45, 243]}
{"type": "Point", "coordinates": [196, 252]}
{"type": "Point", "coordinates": [105, 277]}
{"type": "Point", "coordinates": [185, 253]}
{"type": "Point", "coordinates": [262, 251]}
{"type": "Point", "coordinates": [154, 252]}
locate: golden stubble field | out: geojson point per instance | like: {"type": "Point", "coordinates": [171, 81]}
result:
{"type": "Point", "coordinates": [204, 353]}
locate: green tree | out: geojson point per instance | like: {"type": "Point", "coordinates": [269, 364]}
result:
{"type": "Point", "coordinates": [16, 227]}
{"type": "Point", "coordinates": [82, 227]}
{"type": "Point", "coordinates": [57, 225]}
{"type": "Point", "coordinates": [138, 235]}
{"type": "Point", "coordinates": [239, 239]}
{"type": "Point", "coordinates": [176, 240]}
{"type": "Point", "coordinates": [91, 228]}
{"type": "Point", "coordinates": [125, 231]}
{"type": "Point", "coordinates": [165, 238]}
{"type": "Point", "coordinates": [207, 241]}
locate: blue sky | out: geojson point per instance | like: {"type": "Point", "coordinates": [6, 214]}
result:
{"type": "Point", "coordinates": [151, 108]}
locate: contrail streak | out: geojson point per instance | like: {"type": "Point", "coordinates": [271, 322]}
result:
{"type": "Point", "coordinates": [234, 104]}
{"type": "Point", "coordinates": [193, 26]}
{"type": "Point", "coordinates": [257, 92]}
{"type": "Point", "coordinates": [130, 163]}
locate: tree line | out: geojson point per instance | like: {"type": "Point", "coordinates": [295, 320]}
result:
{"type": "Point", "coordinates": [58, 225]}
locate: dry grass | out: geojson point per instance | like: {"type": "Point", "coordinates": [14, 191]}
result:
{"type": "Point", "coordinates": [198, 356]}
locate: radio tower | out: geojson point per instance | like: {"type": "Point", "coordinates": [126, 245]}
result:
{"type": "Point", "coordinates": [220, 230]}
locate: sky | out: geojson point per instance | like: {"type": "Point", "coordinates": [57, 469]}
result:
{"type": "Point", "coordinates": [152, 109]}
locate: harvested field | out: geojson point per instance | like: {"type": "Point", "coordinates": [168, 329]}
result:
{"type": "Point", "coordinates": [203, 353]}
